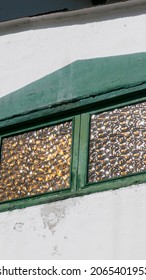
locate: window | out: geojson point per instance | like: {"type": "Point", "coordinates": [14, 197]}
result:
{"type": "Point", "coordinates": [39, 161]}
{"type": "Point", "coordinates": [117, 143]}
{"type": "Point", "coordinates": [36, 162]}
{"type": "Point", "coordinates": [114, 152]}
{"type": "Point", "coordinates": [89, 152]}
{"type": "Point", "coordinates": [87, 138]}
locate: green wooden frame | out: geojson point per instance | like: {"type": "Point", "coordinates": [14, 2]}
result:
{"type": "Point", "coordinates": [50, 196]}
{"type": "Point", "coordinates": [79, 159]}
{"type": "Point", "coordinates": [113, 183]}
{"type": "Point", "coordinates": [74, 93]}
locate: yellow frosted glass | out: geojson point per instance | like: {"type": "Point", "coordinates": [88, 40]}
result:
{"type": "Point", "coordinates": [36, 162]}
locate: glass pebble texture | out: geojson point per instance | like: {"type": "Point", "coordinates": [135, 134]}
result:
{"type": "Point", "coordinates": [117, 143]}
{"type": "Point", "coordinates": [36, 162]}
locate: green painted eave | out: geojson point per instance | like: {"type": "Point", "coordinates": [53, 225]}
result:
{"type": "Point", "coordinates": [81, 80]}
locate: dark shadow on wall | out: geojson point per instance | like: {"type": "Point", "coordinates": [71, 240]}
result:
{"type": "Point", "coordinates": [113, 10]}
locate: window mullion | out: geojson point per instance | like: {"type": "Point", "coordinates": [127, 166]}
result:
{"type": "Point", "coordinates": [83, 150]}
{"type": "Point", "coordinates": [75, 153]}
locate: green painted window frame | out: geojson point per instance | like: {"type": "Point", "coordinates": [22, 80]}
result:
{"type": "Point", "coordinates": [111, 183]}
{"type": "Point", "coordinates": [54, 195]}
{"type": "Point", "coordinates": [74, 93]}
{"type": "Point", "coordinates": [80, 115]}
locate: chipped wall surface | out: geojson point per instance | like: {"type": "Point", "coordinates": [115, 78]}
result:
{"type": "Point", "coordinates": [107, 225]}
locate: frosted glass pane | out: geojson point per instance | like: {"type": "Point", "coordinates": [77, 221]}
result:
{"type": "Point", "coordinates": [117, 143]}
{"type": "Point", "coordinates": [36, 162]}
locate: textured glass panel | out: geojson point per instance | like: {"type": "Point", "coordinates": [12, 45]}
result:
{"type": "Point", "coordinates": [117, 143]}
{"type": "Point", "coordinates": [36, 162]}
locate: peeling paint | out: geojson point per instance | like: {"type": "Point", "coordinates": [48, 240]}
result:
{"type": "Point", "coordinates": [55, 251]}
{"type": "Point", "coordinates": [52, 215]}
{"type": "Point", "coordinates": [18, 227]}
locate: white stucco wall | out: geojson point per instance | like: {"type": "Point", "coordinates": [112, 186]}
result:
{"type": "Point", "coordinates": [29, 55]}
{"type": "Point", "coordinates": [107, 225]}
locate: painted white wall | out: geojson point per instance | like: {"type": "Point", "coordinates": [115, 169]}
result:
{"type": "Point", "coordinates": [107, 225]}
{"type": "Point", "coordinates": [29, 55]}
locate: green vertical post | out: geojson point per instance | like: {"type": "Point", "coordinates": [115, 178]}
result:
{"type": "Point", "coordinates": [83, 152]}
